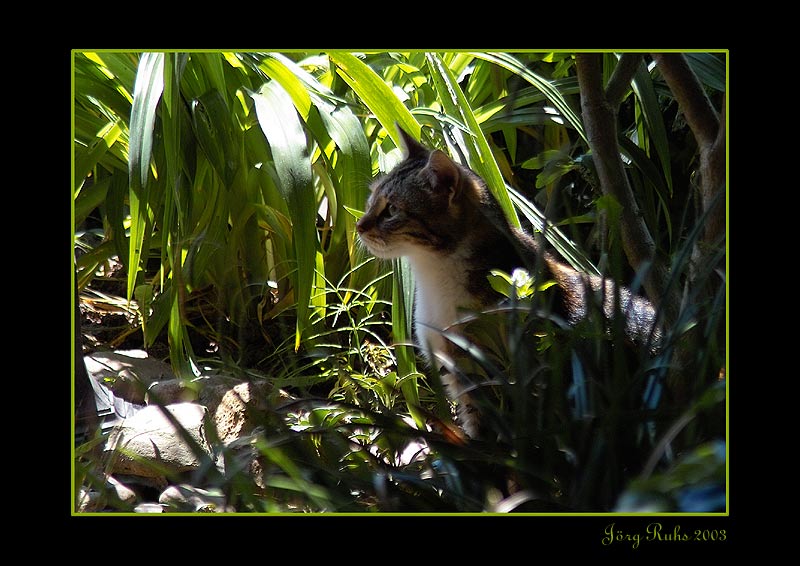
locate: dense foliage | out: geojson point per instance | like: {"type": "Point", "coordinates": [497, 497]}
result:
{"type": "Point", "coordinates": [215, 198]}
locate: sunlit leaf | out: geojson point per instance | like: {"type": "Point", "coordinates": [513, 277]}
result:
{"type": "Point", "coordinates": [146, 95]}
{"type": "Point", "coordinates": [279, 121]}
{"type": "Point", "coordinates": [376, 94]}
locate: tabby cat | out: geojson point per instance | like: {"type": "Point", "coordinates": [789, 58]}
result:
{"type": "Point", "coordinates": [442, 217]}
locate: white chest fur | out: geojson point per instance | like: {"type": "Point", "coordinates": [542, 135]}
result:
{"type": "Point", "coordinates": [440, 293]}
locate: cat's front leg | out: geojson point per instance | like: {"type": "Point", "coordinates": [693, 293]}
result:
{"type": "Point", "coordinates": [467, 414]}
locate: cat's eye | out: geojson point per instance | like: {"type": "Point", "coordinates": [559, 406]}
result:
{"type": "Point", "coordinates": [390, 210]}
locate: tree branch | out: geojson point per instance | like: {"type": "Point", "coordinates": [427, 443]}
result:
{"type": "Point", "coordinates": [692, 99]}
{"type": "Point", "coordinates": [714, 181]}
{"type": "Point", "coordinates": [709, 131]}
{"type": "Point", "coordinates": [600, 121]}
{"type": "Point", "coordinates": [620, 80]}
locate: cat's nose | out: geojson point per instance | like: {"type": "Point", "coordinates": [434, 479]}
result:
{"type": "Point", "coordinates": [362, 226]}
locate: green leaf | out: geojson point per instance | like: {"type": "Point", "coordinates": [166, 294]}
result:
{"type": "Point", "coordinates": [501, 282]}
{"type": "Point", "coordinates": [568, 250]}
{"type": "Point", "coordinates": [402, 301]}
{"type": "Point", "coordinates": [122, 66]}
{"type": "Point", "coordinates": [89, 198]}
{"type": "Point", "coordinates": [642, 162]}
{"type": "Point", "coordinates": [86, 159]}
{"type": "Point", "coordinates": [213, 67]}
{"type": "Point", "coordinates": [279, 121]}
{"type": "Point", "coordinates": [211, 119]}
{"type": "Point", "coordinates": [710, 68]}
{"type": "Point", "coordinates": [278, 67]}
{"type": "Point", "coordinates": [541, 160]}
{"type": "Point", "coordinates": [147, 93]}
{"type": "Point", "coordinates": [546, 87]}
{"type": "Point", "coordinates": [654, 118]}
{"type": "Point", "coordinates": [376, 94]}
{"type": "Point", "coordinates": [353, 165]}
{"type": "Point", "coordinates": [523, 98]}
{"type": "Point", "coordinates": [100, 83]}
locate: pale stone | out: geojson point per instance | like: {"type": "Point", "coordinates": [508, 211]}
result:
{"type": "Point", "coordinates": [127, 373]}
{"type": "Point", "coordinates": [192, 499]}
{"type": "Point", "coordinates": [90, 500]}
{"type": "Point", "coordinates": [123, 492]}
{"type": "Point", "coordinates": [147, 444]}
{"type": "Point", "coordinates": [231, 415]}
{"type": "Point", "coordinates": [170, 391]}
{"type": "Point", "coordinates": [148, 508]}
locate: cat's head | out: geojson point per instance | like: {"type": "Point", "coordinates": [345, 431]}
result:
{"type": "Point", "coordinates": [420, 206]}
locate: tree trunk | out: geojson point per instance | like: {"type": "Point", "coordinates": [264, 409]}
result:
{"type": "Point", "coordinates": [599, 108]}
{"type": "Point", "coordinates": [709, 131]}
{"type": "Point", "coordinates": [708, 253]}
{"type": "Point", "coordinates": [600, 122]}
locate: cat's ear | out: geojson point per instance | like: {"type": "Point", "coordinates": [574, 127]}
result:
{"type": "Point", "coordinates": [443, 173]}
{"type": "Point", "coordinates": [410, 146]}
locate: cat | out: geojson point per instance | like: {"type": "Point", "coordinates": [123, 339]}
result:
{"type": "Point", "coordinates": [442, 217]}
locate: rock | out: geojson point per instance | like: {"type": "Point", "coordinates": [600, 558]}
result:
{"type": "Point", "coordinates": [148, 445]}
{"type": "Point", "coordinates": [113, 494]}
{"type": "Point", "coordinates": [90, 500]}
{"type": "Point", "coordinates": [128, 373]}
{"type": "Point", "coordinates": [148, 508]}
{"type": "Point", "coordinates": [171, 391]}
{"type": "Point", "coordinates": [122, 492]}
{"type": "Point", "coordinates": [192, 499]}
{"type": "Point", "coordinates": [143, 446]}
{"type": "Point", "coordinates": [158, 483]}
{"type": "Point", "coordinates": [110, 411]}
{"type": "Point", "coordinates": [234, 413]}
{"type": "Point", "coordinates": [134, 377]}
{"type": "Point", "coordinates": [238, 409]}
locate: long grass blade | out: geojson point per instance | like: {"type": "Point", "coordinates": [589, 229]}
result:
{"type": "Point", "coordinates": [654, 119]}
{"type": "Point", "coordinates": [90, 156]}
{"type": "Point", "coordinates": [376, 94]}
{"type": "Point", "coordinates": [710, 69]}
{"type": "Point", "coordinates": [353, 166]}
{"type": "Point", "coordinates": [547, 88]}
{"type": "Point", "coordinates": [553, 234]}
{"type": "Point", "coordinates": [281, 125]}
{"type": "Point", "coordinates": [147, 93]}
{"type": "Point", "coordinates": [402, 301]}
